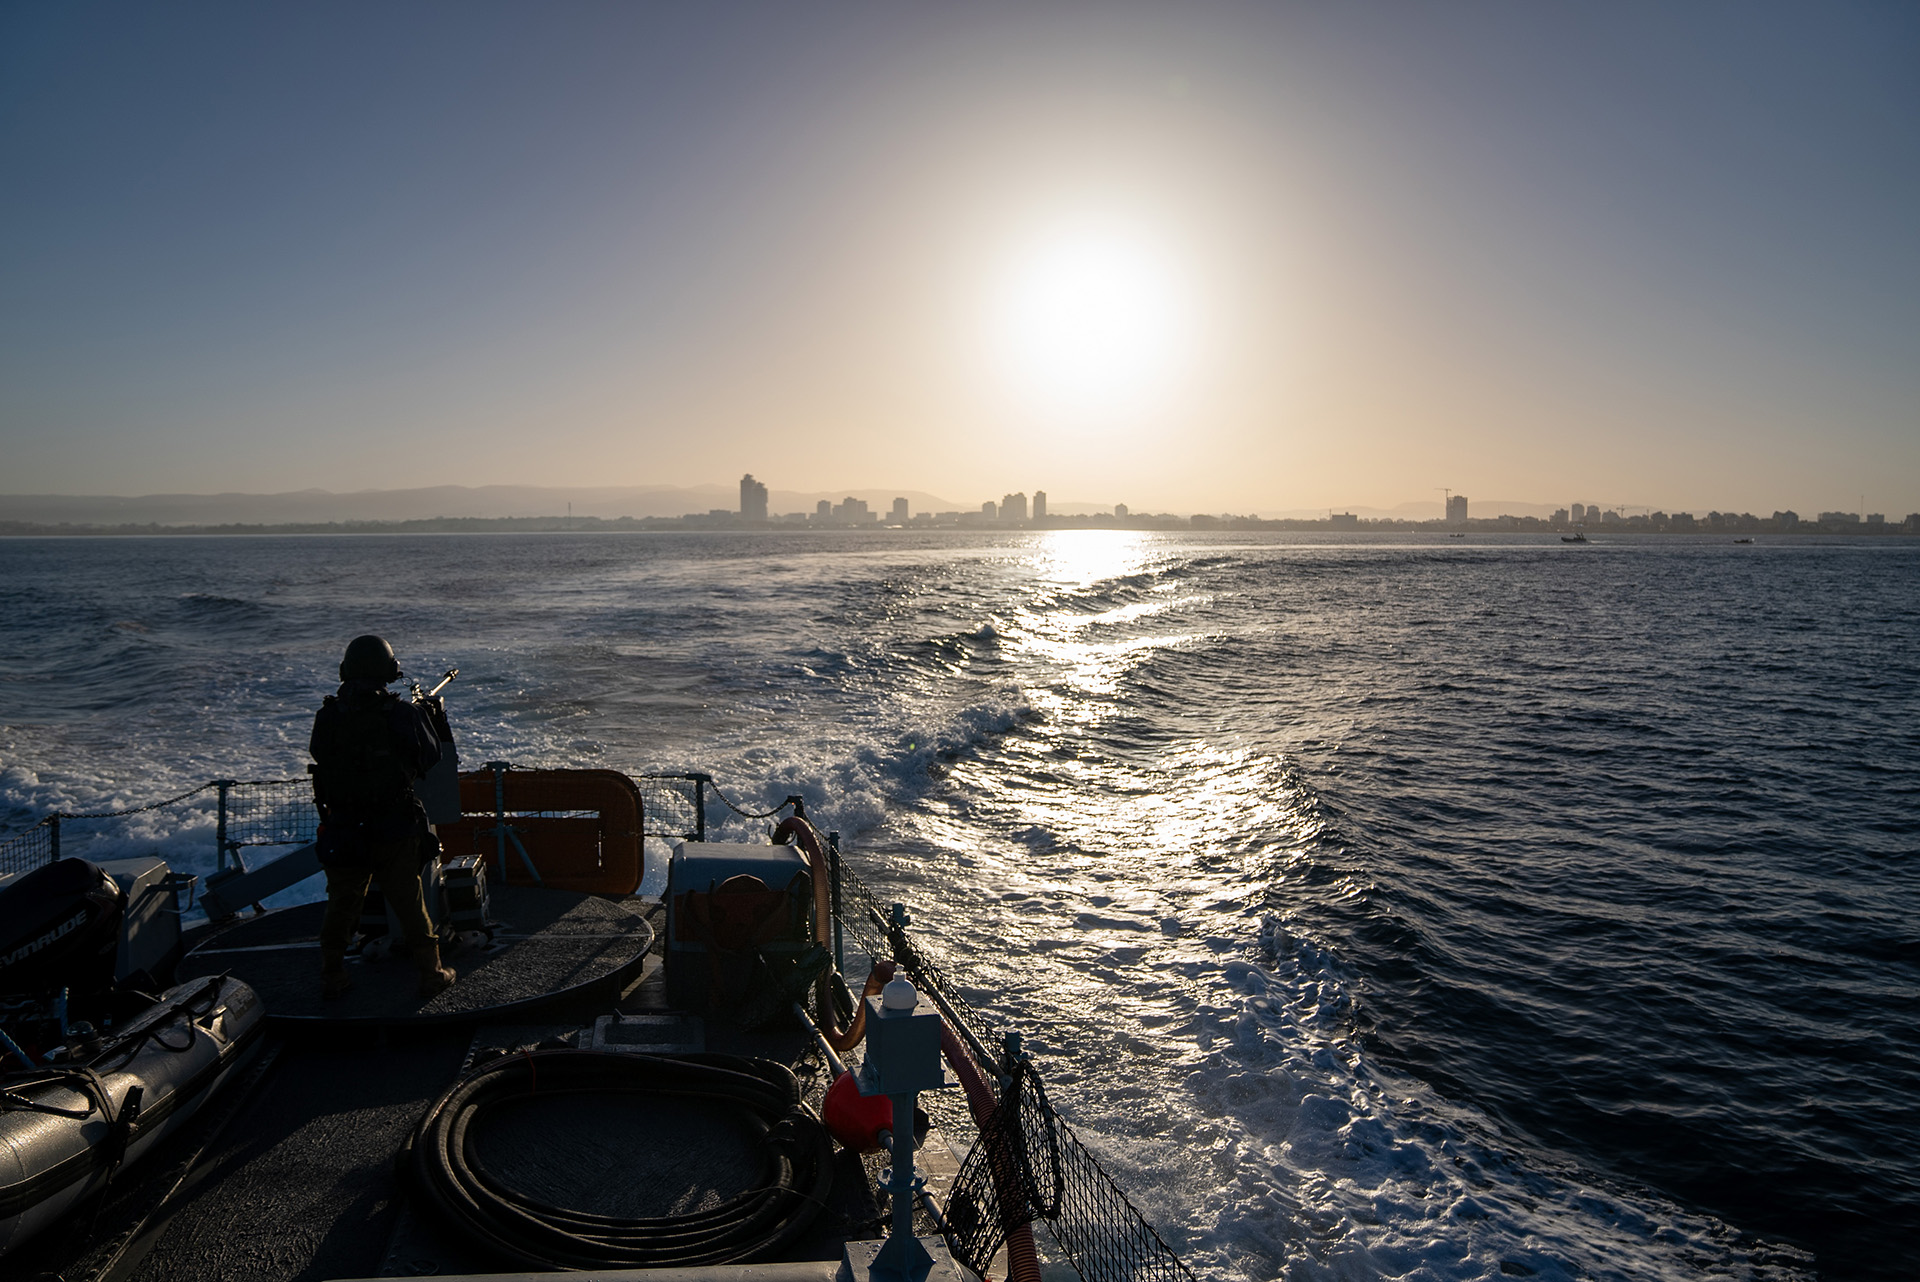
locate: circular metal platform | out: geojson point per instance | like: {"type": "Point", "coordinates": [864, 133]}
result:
{"type": "Point", "coordinates": [548, 946]}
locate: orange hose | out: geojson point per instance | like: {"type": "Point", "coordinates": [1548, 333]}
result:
{"type": "Point", "coordinates": [807, 837]}
{"type": "Point", "coordinates": [1023, 1260]}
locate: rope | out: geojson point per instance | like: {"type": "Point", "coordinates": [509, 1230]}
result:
{"type": "Point", "coordinates": [79, 1078]}
{"type": "Point", "coordinates": [185, 1010]}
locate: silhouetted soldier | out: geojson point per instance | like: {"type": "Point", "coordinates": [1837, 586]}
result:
{"type": "Point", "coordinates": [369, 745]}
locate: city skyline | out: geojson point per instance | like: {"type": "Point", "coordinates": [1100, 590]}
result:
{"type": "Point", "coordinates": [1012, 510]}
{"type": "Point", "coordinates": [750, 495]}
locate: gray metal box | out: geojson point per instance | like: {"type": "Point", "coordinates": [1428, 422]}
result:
{"type": "Point", "coordinates": [150, 932]}
{"type": "Point", "coordinates": [903, 1051]}
{"type": "Point", "coordinates": [465, 880]}
{"type": "Point", "coordinates": [713, 936]}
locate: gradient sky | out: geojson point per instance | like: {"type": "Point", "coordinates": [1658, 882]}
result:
{"type": "Point", "coordinates": [1663, 254]}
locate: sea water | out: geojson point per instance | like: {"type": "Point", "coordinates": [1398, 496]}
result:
{"type": "Point", "coordinates": [1376, 907]}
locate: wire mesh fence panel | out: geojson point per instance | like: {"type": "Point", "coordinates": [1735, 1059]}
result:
{"type": "Point", "coordinates": [1103, 1234]}
{"type": "Point", "coordinates": [28, 850]}
{"type": "Point", "coordinates": [270, 812]}
{"type": "Point", "coordinates": [862, 915]}
{"type": "Point", "coordinates": [1011, 1176]}
{"type": "Point", "coordinates": [670, 806]}
{"type": "Point", "coordinates": [41, 844]}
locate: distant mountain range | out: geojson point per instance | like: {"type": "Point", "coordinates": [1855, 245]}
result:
{"type": "Point", "coordinates": [300, 507]}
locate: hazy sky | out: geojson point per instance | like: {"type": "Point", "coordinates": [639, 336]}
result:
{"type": "Point", "coordinates": [1193, 257]}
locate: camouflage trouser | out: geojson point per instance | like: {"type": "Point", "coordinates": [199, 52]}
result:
{"type": "Point", "coordinates": [396, 869]}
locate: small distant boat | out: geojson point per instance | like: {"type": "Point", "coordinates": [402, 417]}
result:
{"type": "Point", "coordinates": [1456, 536]}
{"type": "Point", "coordinates": [1576, 537]}
{"type": "Point", "coordinates": [1743, 540]}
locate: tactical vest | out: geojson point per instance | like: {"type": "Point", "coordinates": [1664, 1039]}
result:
{"type": "Point", "coordinates": [359, 774]}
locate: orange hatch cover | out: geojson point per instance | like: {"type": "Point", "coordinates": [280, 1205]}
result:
{"type": "Point", "coordinates": [578, 829]}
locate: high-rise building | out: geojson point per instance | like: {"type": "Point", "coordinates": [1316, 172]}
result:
{"type": "Point", "coordinates": [753, 499]}
{"type": "Point", "coordinates": [899, 511]}
{"type": "Point", "coordinates": [1120, 511]}
{"type": "Point", "coordinates": [1013, 507]}
{"type": "Point", "coordinates": [1457, 509]}
{"type": "Point", "coordinates": [853, 511]}
{"type": "Point", "coordinates": [990, 510]}
{"type": "Point", "coordinates": [823, 510]}
{"type": "Point", "coordinates": [1579, 513]}
{"type": "Point", "coordinates": [1039, 505]}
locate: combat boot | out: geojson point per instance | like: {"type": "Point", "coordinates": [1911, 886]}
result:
{"type": "Point", "coordinates": [334, 979]}
{"type": "Point", "coordinates": [434, 978]}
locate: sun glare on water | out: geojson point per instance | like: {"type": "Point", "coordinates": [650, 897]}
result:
{"type": "Point", "coordinates": [1092, 320]}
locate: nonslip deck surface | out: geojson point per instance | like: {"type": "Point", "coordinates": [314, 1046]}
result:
{"type": "Point", "coordinates": [547, 945]}
{"type": "Point", "coordinates": [300, 1178]}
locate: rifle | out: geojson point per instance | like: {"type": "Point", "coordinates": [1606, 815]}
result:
{"type": "Point", "coordinates": [446, 679]}
{"type": "Point", "coordinates": [431, 700]}
{"type": "Point", "coordinates": [439, 788]}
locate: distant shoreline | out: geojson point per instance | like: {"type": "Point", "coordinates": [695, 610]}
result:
{"type": "Point", "coordinates": [707, 523]}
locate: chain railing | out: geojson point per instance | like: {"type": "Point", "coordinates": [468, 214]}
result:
{"type": "Point", "coordinates": [280, 812]}
{"type": "Point", "coordinates": [40, 844]}
{"type": "Point", "coordinates": [247, 812]}
{"type": "Point", "coordinates": [675, 805]}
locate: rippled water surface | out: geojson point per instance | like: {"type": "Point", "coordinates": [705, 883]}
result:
{"type": "Point", "coordinates": [1464, 909]}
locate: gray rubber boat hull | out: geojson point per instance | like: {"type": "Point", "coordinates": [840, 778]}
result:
{"type": "Point", "coordinates": [178, 1053]}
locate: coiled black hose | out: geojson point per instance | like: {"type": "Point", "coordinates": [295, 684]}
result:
{"type": "Point", "coordinates": [745, 1228]}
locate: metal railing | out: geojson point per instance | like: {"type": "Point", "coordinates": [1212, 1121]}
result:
{"type": "Point", "coordinates": [1098, 1229]}
{"type": "Point", "coordinates": [247, 812]}
{"type": "Point", "coordinates": [280, 812]}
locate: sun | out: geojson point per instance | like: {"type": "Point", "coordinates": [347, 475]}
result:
{"type": "Point", "coordinates": [1092, 319]}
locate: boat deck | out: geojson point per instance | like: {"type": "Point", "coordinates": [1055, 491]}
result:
{"type": "Point", "coordinates": [292, 1173]}
{"type": "Point", "coordinates": [549, 947]}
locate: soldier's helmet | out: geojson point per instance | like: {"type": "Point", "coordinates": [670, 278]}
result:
{"type": "Point", "coordinates": [369, 658]}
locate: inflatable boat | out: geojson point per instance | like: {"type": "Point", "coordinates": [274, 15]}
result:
{"type": "Point", "coordinates": [94, 1071]}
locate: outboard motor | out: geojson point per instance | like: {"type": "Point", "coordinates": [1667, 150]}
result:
{"type": "Point", "coordinates": [60, 929]}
